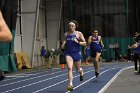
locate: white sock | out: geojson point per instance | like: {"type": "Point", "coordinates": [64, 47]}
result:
{"type": "Point", "coordinates": [71, 84]}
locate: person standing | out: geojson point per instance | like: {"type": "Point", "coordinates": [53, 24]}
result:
{"type": "Point", "coordinates": [116, 49]}
{"type": "Point", "coordinates": [43, 54]}
{"type": "Point", "coordinates": [96, 46]}
{"type": "Point", "coordinates": [5, 36]}
{"type": "Point", "coordinates": [72, 41]}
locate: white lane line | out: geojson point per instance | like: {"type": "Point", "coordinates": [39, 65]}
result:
{"type": "Point", "coordinates": [22, 75]}
{"type": "Point", "coordinates": [30, 79]}
{"type": "Point", "coordinates": [90, 79]}
{"type": "Point", "coordinates": [33, 83]}
{"type": "Point", "coordinates": [25, 73]}
{"type": "Point", "coordinates": [59, 83]}
{"type": "Point", "coordinates": [36, 82]}
{"type": "Point", "coordinates": [34, 77]}
{"type": "Point", "coordinates": [14, 76]}
{"type": "Point", "coordinates": [113, 79]}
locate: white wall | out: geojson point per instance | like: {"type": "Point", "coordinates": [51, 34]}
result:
{"type": "Point", "coordinates": [29, 10]}
{"type": "Point", "coordinates": [53, 17]}
{"type": "Point", "coordinates": [17, 39]}
{"type": "Point", "coordinates": [28, 24]}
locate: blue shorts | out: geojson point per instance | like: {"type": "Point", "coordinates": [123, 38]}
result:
{"type": "Point", "coordinates": [75, 56]}
{"type": "Point", "coordinates": [87, 55]}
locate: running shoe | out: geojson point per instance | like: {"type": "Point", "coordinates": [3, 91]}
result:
{"type": "Point", "coordinates": [97, 74]}
{"type": "Point", "coordinates": [69, 88]}
{"type": "Point", "coordinates": [81, 75]}
{"type": "Point", "coordinates": [137, 73]}
{"type": "Point", "coordinates": [81, 78]}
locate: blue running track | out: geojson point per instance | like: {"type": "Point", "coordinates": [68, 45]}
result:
{"type": "Point", "coordinates": [56, 80]}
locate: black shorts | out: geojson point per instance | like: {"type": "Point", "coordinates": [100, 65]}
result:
{"type": "Point", "coordinates": [136, 56]}
{"type": "Point", "coordinates": [93, 55]}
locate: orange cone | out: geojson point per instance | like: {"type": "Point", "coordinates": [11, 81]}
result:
{"type": "Point", "coordinates": [87, 63]}
{"type": "Point", "coordinates": [62, 66]}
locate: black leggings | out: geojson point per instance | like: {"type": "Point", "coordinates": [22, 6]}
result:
{"type": "Point", "coordinates": [136, 59]}
{"type": "Point", "coordinates": [0, 73]}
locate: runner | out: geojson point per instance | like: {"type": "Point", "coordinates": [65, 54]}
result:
{"type": "Point", "coordinates": [96, 46]}
{"type": "Point", "coordinates": [72, 41]}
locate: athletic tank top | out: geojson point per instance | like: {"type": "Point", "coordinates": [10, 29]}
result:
{"type": "Point", "coordinates": [71, 46]}
{"type": "Point", "coordinates": [95, 46]}
{"type": "Point", "coordinates": [137, 50]}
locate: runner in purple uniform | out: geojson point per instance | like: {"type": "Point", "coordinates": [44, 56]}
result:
{"type": "Point", "coordinates": [72, 41]}
{"type": "Point", "coordinates": [96, 46]}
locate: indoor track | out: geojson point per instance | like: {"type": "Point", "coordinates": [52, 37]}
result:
{"type": "Point", "coordinates": [55, 80]}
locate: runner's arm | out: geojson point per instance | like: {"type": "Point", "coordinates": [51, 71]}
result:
{"type": "Point", "coordinates": [64, 41]}
{"type": "Point", "coordinates": [89, 40]}
{"type": "Point", "coordinates": [82, 39]}
{"type": "Point", "coordinates": [101, 42]}
{"type": "Point", "coordinates": [5, 34]}
{"type": "Point", "coordinates": [133, 46]}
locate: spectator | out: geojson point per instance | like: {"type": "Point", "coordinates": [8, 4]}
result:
{"type": "Point", "coordinates": [117, 53]}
